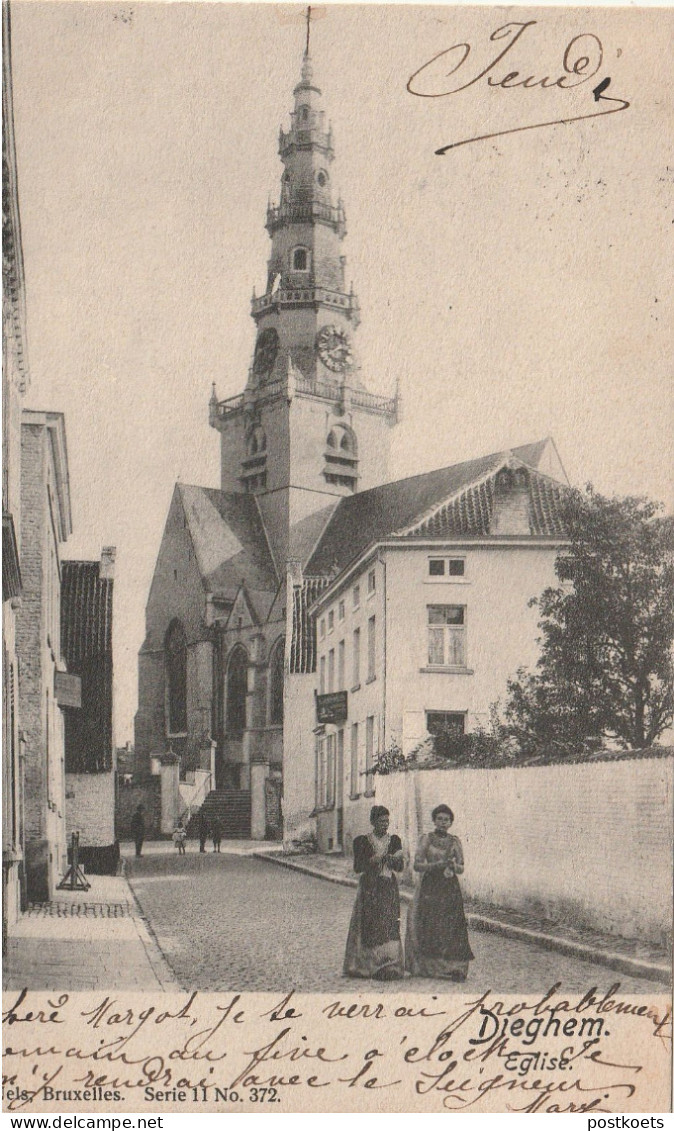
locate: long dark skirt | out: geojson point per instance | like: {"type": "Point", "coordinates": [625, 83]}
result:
{"type": "Point", "coordinates": [373, 946]}
{"type": "Point", "coordinates": [437, 936]}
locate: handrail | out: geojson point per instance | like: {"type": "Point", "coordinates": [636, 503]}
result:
{"type": "Point", "coordinates": [188, 812]}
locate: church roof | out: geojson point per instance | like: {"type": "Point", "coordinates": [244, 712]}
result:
{"type": "Point", "coordinates": [453, 501]}
{"type": "Point", "coordinates": [229, 541]}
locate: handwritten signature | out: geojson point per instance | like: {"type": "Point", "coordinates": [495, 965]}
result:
{"type": "Point", "coordinates": [581, 62]}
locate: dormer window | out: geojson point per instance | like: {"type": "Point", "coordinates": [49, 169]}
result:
{"type": "Point", "coordinates": [300, 259]}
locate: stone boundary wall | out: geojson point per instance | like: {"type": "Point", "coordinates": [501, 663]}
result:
{"type": "Point", "coordinates": [586, 843]}
{"type": "Point", "coordinates": [147, 792]}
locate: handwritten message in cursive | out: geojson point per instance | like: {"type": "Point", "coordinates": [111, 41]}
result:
{"type": "Point", "coordinates": [450, 71]}
{"type": "Point", "coordinates": [598, 1052]}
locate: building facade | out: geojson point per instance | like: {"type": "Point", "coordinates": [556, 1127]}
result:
{"type": "Point", "coordinates": [419, 636]}
{"type": "Point", "coordinates": [45, 527]}
{"type": "Point", "coordinates": [15, 382]}
{"type": "Point", "coordinates": [86, 635]}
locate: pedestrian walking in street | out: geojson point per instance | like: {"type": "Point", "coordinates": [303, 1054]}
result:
{"type": "Point", "coordinates": [203, 830]}
{"type": "Point", "coordinates": [437, 944]}
{"type": "Point", "coordinates": [138, 828]}
{"type": "Point", "coordinates": [179, 838]}
{"type": "Point", "coordinates": [216, 833]}
{"type": "Point", "coordinates": [373, 946]}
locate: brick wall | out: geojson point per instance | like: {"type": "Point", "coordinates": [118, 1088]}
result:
{"type": "Point", "coordinates": [90, 808]}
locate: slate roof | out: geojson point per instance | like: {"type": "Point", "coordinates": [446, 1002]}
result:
{"type": "Point", "coordinates": [86, 642]}
{"type": "Point", "coordinates": [86, 612]}
{"type": "Point", "coordinates": [453, 501]}
{"type": "Point", "coordinates": [229, 541]}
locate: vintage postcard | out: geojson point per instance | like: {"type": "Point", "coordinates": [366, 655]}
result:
{"type": "Point", "coordinates": [338, 559]}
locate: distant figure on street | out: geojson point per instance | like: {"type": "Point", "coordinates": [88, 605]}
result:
{"type": "Point", "coordinates": [216, 833]}
{"type": "Point", "coordinates": [203, 830]}
{"type": "Point", "coordinates": [138, 828]}
{"type": "Point", "coordinates": [179, 838]}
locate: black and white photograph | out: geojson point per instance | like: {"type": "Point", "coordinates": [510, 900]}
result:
{"type": "Point", "coordinates": [338, 557]}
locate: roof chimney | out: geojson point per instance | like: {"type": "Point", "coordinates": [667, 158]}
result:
{"type": "Point", "coordinates": [106, 570]}
{"type": "Point", "coordinates": [510, 508]}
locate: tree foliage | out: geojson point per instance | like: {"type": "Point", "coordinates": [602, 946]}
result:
{"type": "Point", "coordinates": [606, 667]}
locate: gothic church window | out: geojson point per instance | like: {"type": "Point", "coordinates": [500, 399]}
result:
{"type": "Point", "coordinates": [236, 692]}
{"type": "Point", "coordinates": [175, 654]}
{"type": "Point", "coordinates": [276, 685]}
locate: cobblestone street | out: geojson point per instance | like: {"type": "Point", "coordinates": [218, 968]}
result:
{"type": "Point", "coordinates": [239, 923]}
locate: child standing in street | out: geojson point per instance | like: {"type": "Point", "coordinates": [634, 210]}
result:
{"type": "Point", "coordinates": [179, 838]}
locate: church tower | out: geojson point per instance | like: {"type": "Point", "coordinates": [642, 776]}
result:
{"type": "Point", "coordinates": [305, 431]}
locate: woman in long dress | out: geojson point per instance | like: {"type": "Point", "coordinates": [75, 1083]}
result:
{"type": "Point", "coordinates": [373, 946]}
{"type": "Point", "coordinates": [437, 937]}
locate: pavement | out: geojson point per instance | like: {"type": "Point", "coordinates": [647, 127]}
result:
{"type": "Point", "coordinates": [86, 941]}
{"type": "Point", "coordinates": [633, 957]}
{"type": "Point", "coordinates": [251, 918]}
{"type": "Point", "coordinates": [98, 938]}
{"type": "Point", "coordinates": [235, 923]}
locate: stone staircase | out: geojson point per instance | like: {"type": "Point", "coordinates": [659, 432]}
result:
{"type": "Point", "coordinates": [232, 809]}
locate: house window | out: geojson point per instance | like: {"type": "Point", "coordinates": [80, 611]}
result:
{"type": "Point", "coordinates": [325, 771]}
{"type": "Point", "coordinates": [356, 657]}
{"type": "Point", "coordinates": [276, 685]}
{"type": "Point", "coordinates": [371, 648]}
{"type": "Point", "coordinates": [369, 753]}
{"type": "Point", "coordinates": [446, 727]}
{"type": "Point", "coordinates": [237, 690]}
{"type": "Point", "coordinates": [321, 628]}
{"type": "Point", "coordinates": [300, 259]}
{"type": "Point", "coordinates": [371, 581]}
{"type": "Point", "coordinates": [321, 687]}
{"type": "Point", "coordinates": [330, 784]}
{"type": "Point", "coordinates": [331, 670]}
{"type": "Point", "coordinates": [321, 772]}
{"type": "Point", "coordinates": [446, 636]}
{"type": "Point", "coordinates": [175, 654]}
{"type": "Point", "coordinates": [446, 567]}
{"type": "Point", "coordinates": [354, 783]}
{"type": "Point", "coordinates": [356, 596]}
{"type": "Point", "coordinates": [445, 722]}
{"type": "Point", "coordinates": [341, 650]}
{"type": "Point", "coordinates": [331, 621]}
{"type": "Point", "coordinates": [340, 611]}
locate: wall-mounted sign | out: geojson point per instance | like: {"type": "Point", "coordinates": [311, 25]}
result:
{"type": "Point", "coordinates": [67, 689]}
{"type": "Point", "coordinates": [331, 708]}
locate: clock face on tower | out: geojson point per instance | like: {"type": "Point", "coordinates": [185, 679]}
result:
{"type": "Point", "coordinates": [334, 348]}
{"type": "Point", "coordinates": [266, 349]}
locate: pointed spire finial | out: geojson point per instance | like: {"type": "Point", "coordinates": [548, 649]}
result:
{"type": "Point", "coordinates": [307, 69]}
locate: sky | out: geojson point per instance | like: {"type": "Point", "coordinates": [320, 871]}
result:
{"type": "Point", "coordinates": [516, 287]}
